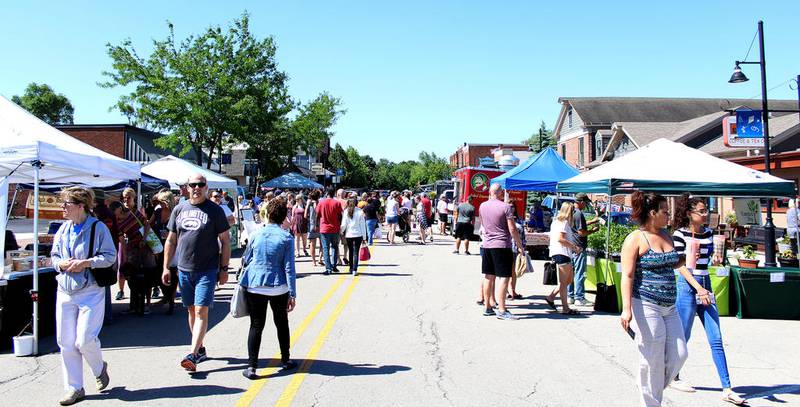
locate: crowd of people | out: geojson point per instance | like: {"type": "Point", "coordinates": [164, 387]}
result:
{"type": "Point", "coordinates": [658, 310]}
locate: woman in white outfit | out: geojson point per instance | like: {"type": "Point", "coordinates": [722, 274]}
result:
{"type": "Point", "coordinates": [80, 302]}
{"type": "Point", "coordinates": [354, 231]}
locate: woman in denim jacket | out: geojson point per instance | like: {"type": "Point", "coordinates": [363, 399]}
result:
{"type": "Point", "coordinates": [269, 279]}
{"type": "Point", "coordinates": [80, 302]}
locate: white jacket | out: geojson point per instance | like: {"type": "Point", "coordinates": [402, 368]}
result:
{"type": "Point", "coordinates": [355, 227]}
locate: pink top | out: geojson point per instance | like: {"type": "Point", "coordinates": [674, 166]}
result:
{"type": "Point", "coordinates": [494, 215]}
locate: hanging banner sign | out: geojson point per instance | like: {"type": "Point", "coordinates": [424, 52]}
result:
{"type": "Point", "coordinates": [730, 135]}
{"type": "Point", "coordinates": [749, 124]}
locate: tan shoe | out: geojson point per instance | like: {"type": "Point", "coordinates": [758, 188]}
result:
{"type": "Point", "coordinates": [72, 397]}
{"type": "Point", "coordinates": [103, 379]}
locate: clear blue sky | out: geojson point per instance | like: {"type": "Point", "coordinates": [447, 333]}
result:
{"type": "Point", "coordinates": [425, 75]}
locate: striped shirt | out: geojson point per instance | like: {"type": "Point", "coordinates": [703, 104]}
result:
{"type": "Point", "coordinates": [654, 279]}
{"type": "Point", "coordinates": [706, 239]}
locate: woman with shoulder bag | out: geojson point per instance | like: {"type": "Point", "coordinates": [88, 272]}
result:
{"type": "Point", "coordinates": [80, 302]}
{"type": "Point", "coordinates": [269, 279]}
{"type": "Point", "coordinates": [159, 222]}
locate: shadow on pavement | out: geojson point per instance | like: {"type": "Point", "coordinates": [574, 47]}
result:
{"type": "Point", "coordinates": [158, 329]}
{"type": "Point", "coordinates": [765, 392]}
{"type": "Point", "coordinates": [318, 367]}
{"type": "Point", "coordinates": [176, 392]}
{"type": "Point", "coordinates": [378, 265]}
{"type": "Point", "coordinates": [550, 314]}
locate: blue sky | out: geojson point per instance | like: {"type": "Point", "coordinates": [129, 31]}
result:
{"type": "Point", "coordinates": [425, 75]}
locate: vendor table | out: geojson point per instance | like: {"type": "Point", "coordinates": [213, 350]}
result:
{"type": "Point", "coordinates": [769, 292]}
{"type": "Point", "coordinates": [16, 307]}
{"type": "Point", "coordinates": [720, 281]}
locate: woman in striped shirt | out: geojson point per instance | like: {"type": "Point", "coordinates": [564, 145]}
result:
{"type": "Point", "coordinates": [689, 224]}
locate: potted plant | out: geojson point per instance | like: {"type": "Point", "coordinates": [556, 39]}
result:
{"type": "Point", "coordinates": [730, 220]}
{"type": "Point", "coordinates": [788, 259]}
{"type": "Point", "coordinates": [784, 244]}
{"type": "Point", "coordinates": [748, 259]}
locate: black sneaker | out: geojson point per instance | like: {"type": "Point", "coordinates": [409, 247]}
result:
{"type": "Point", "coordinates": [156, 292]}
{"type": "Point", "coordinates": [201, 354]}
{"type": "Point", "coordinates": [189, 362]}
{"type": "Point", "coordinates": [288, 365]}
{"type": "Point", "coordinates": [120, 296]}
{"type": "Point", "coordinates": [468, 253]}
{"type": "Point", "coordinates": [336, 270]}
{"type": "Point", "coordinates": [327, 272]}
{"type": "Point", "coordinates": [488, 312]}
{"type": "Point", "coordinates": [250, 373]}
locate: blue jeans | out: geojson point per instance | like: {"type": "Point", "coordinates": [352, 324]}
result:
{"type": "Point", "coordinates": [709, 317]}
{"type": "Point", "coordinates": [371, 225]}
{"type": "Point", "coordinates": [330, 240]}
{"type": "Point", "coordinates": [575, 289]}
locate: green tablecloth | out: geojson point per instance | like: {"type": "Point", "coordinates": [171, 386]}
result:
{"type": "Point", "coordinates": [769, 292]}
{"type": "Point", "coordinates": [720, 281]}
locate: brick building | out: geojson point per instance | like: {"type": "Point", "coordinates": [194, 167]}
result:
{"type": "Point", "coordinates": [469, 155]}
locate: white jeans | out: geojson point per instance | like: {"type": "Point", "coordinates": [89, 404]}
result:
{"type": "Point", "coordinates": [79, 318]}
{"type": "Point", "coordinates": [662, 348]}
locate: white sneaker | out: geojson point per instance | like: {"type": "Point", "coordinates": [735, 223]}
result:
{"type": "Point", "coordinates": [72, 397]}
{"type": "Point", "coordinates": [571, 301]}
{"type": "Point", "coordinates": [583, 303]}
{"type": "Point", "coordinates": [681, 385]}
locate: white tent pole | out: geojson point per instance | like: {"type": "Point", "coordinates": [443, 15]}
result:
{"type": "Point", "coordinates": [139, 192]}
{"type": "Point", "coordinates": [35, 290]}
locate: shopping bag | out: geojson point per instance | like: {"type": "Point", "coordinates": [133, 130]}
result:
{"type": "Point", "coordinates": [606, 300]}
{"type": "Point", "coordinates": [521, 265]}
{"type": "Point", "coordinates": [239, 303]}
{"type": "Point", "coordinates": [550, 275]}
{"type": "Point", "coordinates": [363, 254]}
{"type": "Point", "coordinates": [377, 233]}
{"type": "Point", "coordinates": [151, 239]}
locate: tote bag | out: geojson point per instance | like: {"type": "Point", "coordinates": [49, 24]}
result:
{"type": "Point", "coordinates": [606, 300]}
{"type": "Point", "coordinates": [363, 254]}
{"type": "Point", "coordinates": [550, 275]}
{"type": "Point", "coordinates": [238, 303]}
{"type": "Point", "coordinates": [104, 276]}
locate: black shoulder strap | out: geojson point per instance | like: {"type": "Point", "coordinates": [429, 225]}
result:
{"type": "Point", "coordinates": [91, 240]}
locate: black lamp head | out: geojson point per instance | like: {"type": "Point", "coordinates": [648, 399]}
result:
{"type": "Point", "coordinates": [738, 76]}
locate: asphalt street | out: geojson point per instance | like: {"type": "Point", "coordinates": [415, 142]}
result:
{"type": "Point", "coordinates": [407, 332]}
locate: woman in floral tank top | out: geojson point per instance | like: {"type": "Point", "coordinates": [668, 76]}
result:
{"type": "Point", "coordinates": [648, 297]}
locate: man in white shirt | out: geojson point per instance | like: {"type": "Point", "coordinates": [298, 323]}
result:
{"type": "Point", "coordinates": [441, 209]}
{"type": "Point", "coordinates": [216, 197]}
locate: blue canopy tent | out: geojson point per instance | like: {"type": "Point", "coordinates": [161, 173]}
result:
{"type": "Point", "coordinates": [541, 172]}
{"type": "Point", "coordinates": [291, 180]}
{"type": "Point", "coordinates": [149, 184]}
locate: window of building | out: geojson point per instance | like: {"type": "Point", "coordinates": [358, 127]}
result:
{"type": "Point", "coordinates": [598, 147]}
{"type": "Point", "coordinates": [564, 151]}
{"type": "Point", "coordinates": [569, 117]}
{"type": "Point", "coordinates": [580, 152]}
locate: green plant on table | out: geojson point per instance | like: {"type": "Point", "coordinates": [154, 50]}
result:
{"type": "Point", "coordinates": [785, 240]}
{"type": "Point", "coordinates": [597, 240]}
{"type": "Point", "coordinates": [730, 218]}
{"type": "Point", "coordinates": [787, 254]}
{"type": "Point", "coordinates": [748, 252]}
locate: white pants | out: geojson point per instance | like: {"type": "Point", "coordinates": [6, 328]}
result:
{"type": "Point", "coordinates": [79, 318]}
{"type": "Point", "coordinates": [662, 348]}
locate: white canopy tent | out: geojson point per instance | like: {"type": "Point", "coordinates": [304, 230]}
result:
{"type": "Point", "coordinates": [177, 171]}
{"type": "Point", "coordinates": [33, 151]}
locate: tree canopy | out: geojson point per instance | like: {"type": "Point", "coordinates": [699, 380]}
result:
{"type": "Point", "coordinates": [363, 171]}
{"type": "Point", "coordinates": [44, 103]}
{"type": "Point", "coordinates": [537, 142]}
{"type": "Point", "coordinates": [208, 91]}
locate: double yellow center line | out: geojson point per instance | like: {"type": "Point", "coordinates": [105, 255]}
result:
{"type": "Point", "coordinates": [291, 389]}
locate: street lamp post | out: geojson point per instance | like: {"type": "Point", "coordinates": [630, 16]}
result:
{"type": "Point", "coordinates": [738, 77]}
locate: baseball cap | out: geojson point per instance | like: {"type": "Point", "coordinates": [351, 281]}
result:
{"type": "Point", "coordinates": [582, 197]}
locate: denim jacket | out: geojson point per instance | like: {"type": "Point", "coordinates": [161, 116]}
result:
{"type": "Point", "coordinates": [106, 253]}
{"type": "Point", "coordinates": [269, 259]}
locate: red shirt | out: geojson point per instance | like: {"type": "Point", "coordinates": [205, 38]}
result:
{"type": "Point", "coordinates": [330, 213]}
{"type": "Point", "coordinates": [426, 203]}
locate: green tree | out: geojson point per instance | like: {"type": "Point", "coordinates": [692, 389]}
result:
{"type": "Point", "coordinates": [314, 122]}
{"type": "Point", "coordinates": [44, 103]}
{"type": "Point", "coordinates": [207, 91]}
{"type": "Point", "coordinates": [537, 142]}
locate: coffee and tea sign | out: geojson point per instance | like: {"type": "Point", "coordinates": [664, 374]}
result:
{"type": "Point", "coordinates": [745, 130]}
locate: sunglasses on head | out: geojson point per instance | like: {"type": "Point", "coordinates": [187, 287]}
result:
{"type": "Point", "coordinates": [196, 184]}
